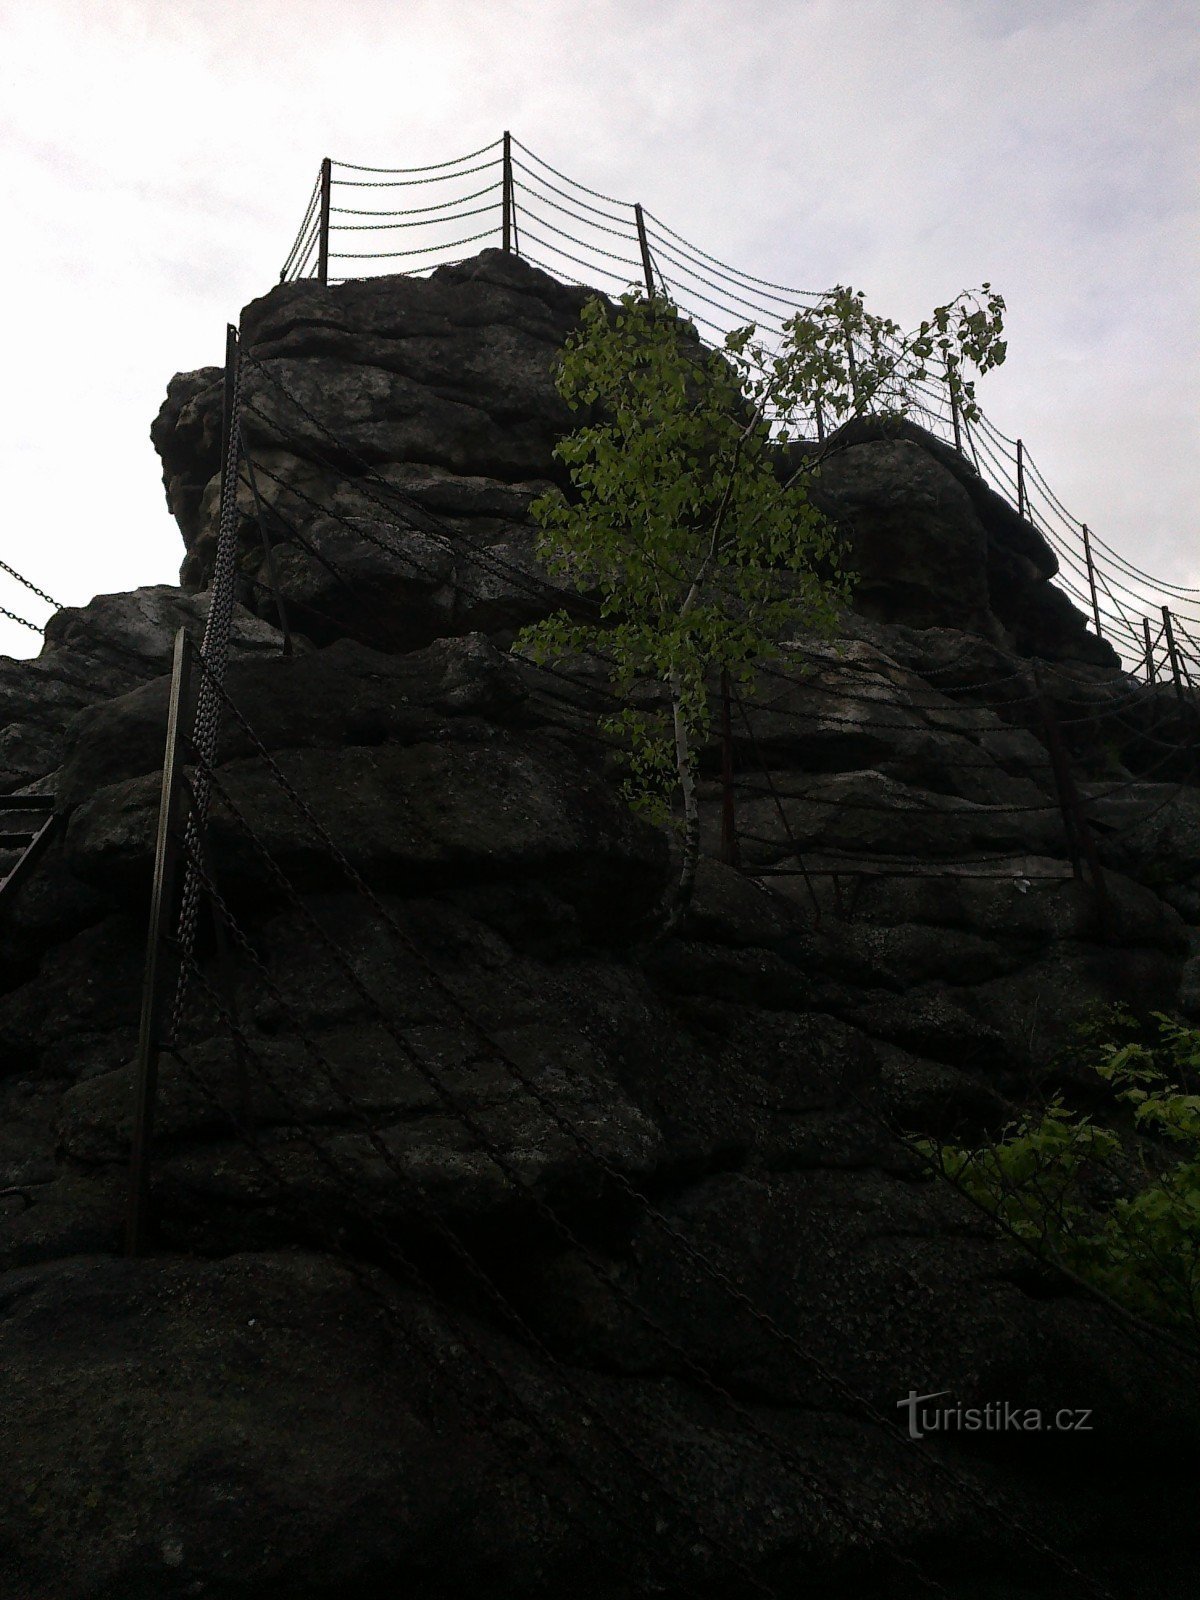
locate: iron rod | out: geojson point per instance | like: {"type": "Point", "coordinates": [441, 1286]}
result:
{"type": "Point", "coordinates": [1091, 571]}
{"type": "Point", "coordinates": [1021, 477]}
{"type": "Point", "coordinates": [952, 385]}
{"type": "Point", "coordinates": [323, 245]}
{"type": "Point", "coordinates": [155, 989]}
{"type": "Point", "coordinates": [1150, 678]}
{"type": "Point", "coordinates": [729, 843]}
{"type": "Point", "coordinates": [647, 268]}
{"type": "Point", "coordinates": [1079, 835]}
{"type": "Point", "coordinates": [1172, 651]}
{"type": "Point", "coordinates": [507, 194]}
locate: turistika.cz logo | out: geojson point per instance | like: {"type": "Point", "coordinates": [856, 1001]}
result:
{"type": "Point", "coordinates": [998, 1416]}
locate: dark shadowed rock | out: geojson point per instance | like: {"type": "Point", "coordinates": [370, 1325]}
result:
{"type": "Point", "coordinates": [495, 1252]}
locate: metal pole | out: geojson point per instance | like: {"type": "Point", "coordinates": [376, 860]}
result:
{"type": "Point", "coordinates": [268, 552]}
{"type": "Point", "coordinates": [820, 423]}
{"type": "Point", "coordinates": [1020, 477]}
{"type": "Point", "coordinates": [953, 387]}
{"type": "Point", "coordinates": [227, 400]}
{"type": "Point", "coordinates": [647, 269]}
{"type": "Point", "coordinates": [853, 368]}
{"type": "Point", "coordinates": [1174, 654]}
{"type": "Point", "coordinates": [323, 245]}
{"type": "Point", "coordinates": [1079, 836]}
{"type": "Point", "coordinates": [729, 844]}
{"type": "Point", "coordinates": [1149, 650]}
{"type": "Point", "coordinates": [507, 193]}
{"type": "Point", "coordinates": [155, 989]}
{"type": "Point", "coordinates": [1087, 550]}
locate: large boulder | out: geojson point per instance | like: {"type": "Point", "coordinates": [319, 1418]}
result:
{"type": "Point", "coordinates": [497, 1247]}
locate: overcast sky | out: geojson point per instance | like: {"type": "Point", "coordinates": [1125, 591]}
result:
{"type": "Point", "coordinates": [158, 155]}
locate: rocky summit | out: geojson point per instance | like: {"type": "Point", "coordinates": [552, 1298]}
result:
{"type": "Point", "coordinates": [495, 1251]}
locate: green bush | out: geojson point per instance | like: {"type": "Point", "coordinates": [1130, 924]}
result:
{"type": "Point", "coordinates": [1120, 1209]}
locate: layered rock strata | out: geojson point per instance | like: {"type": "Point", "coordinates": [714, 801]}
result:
{"type": "Point", "coordinates": [308, 1387]}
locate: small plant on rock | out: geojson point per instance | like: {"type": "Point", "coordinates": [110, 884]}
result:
{"type": "Point", "coordinates": [1139, 1240]}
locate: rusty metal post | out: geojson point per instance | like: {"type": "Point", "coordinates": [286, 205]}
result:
{"type": "Point", "coordinates": [1150, 677]}
{"type": "Point", "coordinates": [507, 194]}
{"type": "Point", "coordinates": [852, 368]}
{"type": "Point", "coordinates": [323, 234]}
{"type": "Point", "coordinates": [1079, 835]}
{"type": "Point", "coordinates": [1087, 551]}
{"type": "Point", "coordinates": [1172, 651]}
{"type": "Point", "coordinates": [729, 844]}
{"type": "Point", "coordinates": [260, 511]}
{"type": "Point", "coordinates": [647, 268]}
{"type": "Point", "coordinates": [227, 400]}
{"type": "Point", "coordinates": [1021, 502]}
{"type": "Point", "coordinates": [953, 387]}
{"type": "Point", "coordinates": [155, 989]}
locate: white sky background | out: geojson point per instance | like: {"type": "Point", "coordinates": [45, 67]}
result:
{"type": "Point", "coordinates": [158, 155]}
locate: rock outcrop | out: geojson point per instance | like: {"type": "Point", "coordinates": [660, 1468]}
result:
{"type": "Point", "coordinates": [496, 1251]}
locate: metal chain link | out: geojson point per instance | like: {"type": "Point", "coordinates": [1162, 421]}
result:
{"type": "Point", "coordinates": [213, 657]}
{"type": "Point", "coordinates": [698, 1257]}
{"type": "Point", "coordinates": [412, 211]}
{"type": "Point", "coordinates": [408, 183]}
{"type": "Point", "coordinates": [24, 621]}
{"type": "Point", "coordinates": [413, 1184]}
{"type": "Point", "coordinates": [433, 166]}
{"type": "Point", "coordinates": [466, 1118]}
{"type": "Point", "coordinates": [398, 1257]}
{"type": "Point", "coordinates": [41, 593]}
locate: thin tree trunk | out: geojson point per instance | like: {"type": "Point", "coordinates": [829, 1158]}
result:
{"type": "Point", "coordinates": [681, 899]}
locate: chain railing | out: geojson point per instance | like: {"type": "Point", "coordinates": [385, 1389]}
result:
{"type": "Point", "coordinates": [582, 236]}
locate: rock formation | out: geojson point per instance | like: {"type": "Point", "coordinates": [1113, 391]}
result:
{"type": "Point", "coordinates": [410, 1322]}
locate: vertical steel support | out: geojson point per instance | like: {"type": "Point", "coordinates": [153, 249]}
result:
{"type": "Point", "coordinates": [1150, 678]}
{"type": "Point", "coordinates": [852, 368]}
{"type": "Point", "coordinates": [952, 385]}
{"type": "Point", "coordinates": [260, 512]}
{"type": "Point", "coordinates": [156, 990]}
{"type": "Point", "coordinates": [820, 423]}
{"type": "Point", "coordinates": [227, 401]}
{"type": "Point", "coordinates": [1172, 652]}
{"type": "Point", "coordinates": [729, 844]}
{"type": "Point", "coordinates": [323, 233]}
{"type": "Point", "coordinates": [1079, 835]}
{"type": "Point", "coordinates": [1087, 551]}
{"type": "Point", "coordinates": [1021, 502]}
{"type": "Point", "coordinates": [506, 190]}
{"type": "Point", "coordinates": [647, 268]}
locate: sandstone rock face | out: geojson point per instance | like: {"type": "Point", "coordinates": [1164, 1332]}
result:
{"type": "Point", "coordinates": [497, 1250]}
{"type": "Point", "coordinates": [92, 653]}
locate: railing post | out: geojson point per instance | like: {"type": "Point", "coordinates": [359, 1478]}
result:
{"type": "Point", "coordinates": [852, 368]}
{"type": "Point", "coordinates": [1079, 836]}
{"type": "Point", "coordinates": [507, 194]}
{"type": "Point", "coordinates": [260, 511]}
{"type": "Point", "coordinates": [323, 232]}
{"type": "Point", "coordinates": [953, 387]}
{"type": "Point", "coordinates": [647, 268]}
{"type": "Point", "coordinates": [1172, 651]}
{"type": "Point", "coordinates": [1150, 678]}
{"type": "Point", "coordinates": [1091, 571]}
{"type": "Point", "coordinates": [228, 401]}
{"type": "Point", "coordinates": [1021, 502]}
{"type": "Point", "coordinates": [729, 844]}
{"type": "Point", "coordinates": [155, 989]}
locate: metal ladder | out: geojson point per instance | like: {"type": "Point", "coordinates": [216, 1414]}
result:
{"type": "Point", "coordinates": [26, 823]}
